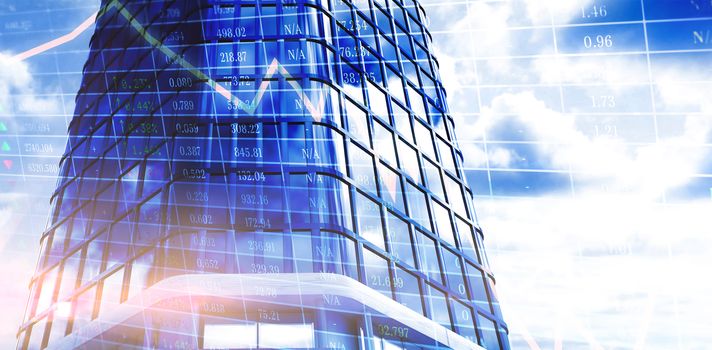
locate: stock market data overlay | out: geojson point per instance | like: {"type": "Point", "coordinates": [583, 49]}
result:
{"type": "Point", "coordinates": [524, 174]}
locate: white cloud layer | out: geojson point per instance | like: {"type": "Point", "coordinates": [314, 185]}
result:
{"type": "Point", "coordinates": [18, 91]}
{"type": "Point", "coordinates": [598, 266]}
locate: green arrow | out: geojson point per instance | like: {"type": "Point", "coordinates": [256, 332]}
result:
{"type": "Point", "coordinates": [3, 127]}
{"type": "Point", "coordinates": [5, 146]}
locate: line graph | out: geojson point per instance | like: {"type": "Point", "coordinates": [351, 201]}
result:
{"type": "Point", "coordinates": [249, 108]}
{"type": "Point", "coordinates": [58, 41]}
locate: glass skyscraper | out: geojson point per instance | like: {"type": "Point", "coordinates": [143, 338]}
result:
{"type": "Point", "coordinates": [262, 174]}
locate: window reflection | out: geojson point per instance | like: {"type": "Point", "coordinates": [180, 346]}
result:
{"type": "Point", "coordinates": [362, 168]}
{"type": "Point", "coordinates": [377, 275]}
{"type": "Point", "coordinates": [438, 307]}
{"type": "Point", "coordinates": [399, 237]}
{"type": "Point", "coordinates": [428, 256]}
{"type": "Point", "coordinates": [391, 188]}
{"type": "Point", "coordinates": [369, 220]}
{"type": "Point", "coordinates": [418, 206]}
{"type": "Point", "coordinates": [111, 289]}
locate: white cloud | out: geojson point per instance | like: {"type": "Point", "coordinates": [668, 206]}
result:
{"type": "Point", "coordinates": [646, 170]}
{"type": "Point", "coordinates": [604, 269]}
{"type": "Point", "coordinates": [18, 94]}
{"type": "Point", "coordinates": [600, 262]}
{"type": "Point", "coordinates": [606, 160]}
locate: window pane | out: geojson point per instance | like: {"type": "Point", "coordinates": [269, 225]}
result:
{"type": "Point", "coordinates": [493, 296]}
{"type": "Point", "coordinates": [418, 206]}
{"type": "Point", "coordinates": [303, 249]}
{"type": "Point", "coordinates": [141, 272]}
{"type": "Point", "coordinates": [128, 188]}
{"type": "Point", "coordinates": [111, 292]}
{"type": "Point", "coordinates": [377, 276]}
{"type": "Point", "coordinates": [382, 18]}
{"type": "Point", "coordinates": [416, 103]}
{"type": "Point", "coordinates": [79, 223]}
{"type": "Point", "coordinates": [58, 240]}
{"type": "Point", "coordinates": [455, 196]}
{"type": "Point", "coordinates": [329, 145]}
{"type": "Point", "coordinates": [446, 158]}
{"type": "Point", "coordinates": [120, 239]}
{"type": "Point", "coordinates": [409, 161]}
{"type": "Point", "coordinates": [391, 188]}
{"type": "Point", "coordinates": [424, 139]}
{"type": "Point", "coordinates": [149, 223]}
{"type": "Point", "coordinates": [464, 325]}
{"type": "Point", "coordinates": [437, 305]}
{"type": "Point", "coordinates": [336, 254]}
{"type": "Point", "coordinates": [362, 170]}
{"type": "Point", "coordinates": [400, 242]}
{"type": "Point", "coordinates": [351, 77]}
{"type": "Point", "coordinates": [407, 290]}
{"type": "Point", "coordinates": [59, 327]}
{"type": "Point", "coordinates": [443, 223]}
{"type": "Point", "coordinates": [84, 308]}
{"type": "Point", "coordinates": [467, 243]}
{"type": "Point", "coordinates": [401, 118]}
{"type": "Point", "coordinates": [428, 257]}
{"type": "Point", "coordinates": [49, 281]}
{"type": "Point", "coordinates": [358, 122]}
{"type": "Point", "coordinates": [395, 83]}
{"type": "Point", "coordinates": [330, 200]}
{"type": "Point", "coordinates": [435, 183]}
{"type": "Point", "coordinates": [383, 143]}
{"type": "Point", "coordinates": [274, 258]}
{"type": "Point", "coordinates": [69, 275]}
{"type": "Point", "coordinates": [94, 258]}
{"type": "Point", "coordinates": [477, 287]}
{"type": "Point", "coordinates": [489, 332]}
{"type": "Point", "coordinates": [105, 204]}
{"type": "Point", "coordinates": [377, 98]}
{"type": "Point", "coordinates": [453, 271]}
{"type": "Point", "coordinates": [369, 220]}
{"type": "Point", "coordinates": [37, 334]}
{"type": "Point", "coordinates": [156, 172]}
{"type": "Point", "coordinates": [388, 48]}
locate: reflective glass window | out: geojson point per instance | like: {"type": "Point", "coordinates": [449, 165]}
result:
{"type": "Point", "coordinates": [438, 307]}
{"type": "Point", "coordinates": [407, 290]}
{"type": "Point", "coordinates": [435, 182]}
{"type": "Point", "coordinates": [368, 214]}
{"type": "Point", "coordinates": [400, 240]}
{"type": "Point", "coordinates": [428, 256]}
{"type": "Point", "coordinates": [377, 275]}
{"type": "Point", "coordinates": [489, 340]}
{"type": "Point", "coordinates": [111, 289]}
{"type": "Point", "coordinates": [362, 168]}
{"type": "Point", "coordinates": [418, 206]}
{"type": "Point", "coordinates": [383, 143]}
{"type": "Point", "coordinates": [453, 272]}
{"type": "Point", "coordinates": [391, 188]}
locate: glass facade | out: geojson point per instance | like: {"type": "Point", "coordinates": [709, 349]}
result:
{"type": "Point", "coordinates": [261, 138]}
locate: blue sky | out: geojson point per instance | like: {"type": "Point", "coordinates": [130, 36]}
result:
{"type": "Point", "coordinates": [591, 161]}
{"type": "Point", "coordinates": [591, 158]}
